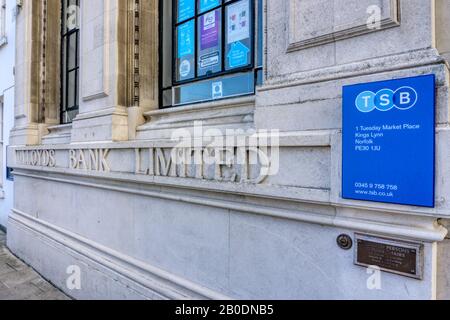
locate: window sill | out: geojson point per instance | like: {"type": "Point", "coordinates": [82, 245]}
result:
{"type": "Point", "coordinates": [59, 134]}
{"type": "Point", "coordinates": [223, 103]}
{"type": "Point", "coordinates": [237, 113]}
{"type": "Point", "coordinates": [60, 127]}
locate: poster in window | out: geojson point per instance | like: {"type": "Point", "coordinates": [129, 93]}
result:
{"type": "Point", "coordinates": [206, 5]}
{"type": "Point", "coordinates": [238, 21]}
{"type": "Point", "coordinates": [186, 39]}
{"type": "Point", "coordinates": [238, 55]}
{"type": "Point", "coordinates": [210, 51]}
{"type": "Point", "coordinates": [186, 9]}
{"type": "Point", "coordinates": [238, 35]}
{"type": "Point", "coordinates": [186, 50]}
{"type": "Point", "coordinates": [209, 30]}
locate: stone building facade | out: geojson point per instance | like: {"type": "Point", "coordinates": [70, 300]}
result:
{"type": "Point", "coordinates": [7, 58]}
{"type": "Point", "coordinates": [103, 188]}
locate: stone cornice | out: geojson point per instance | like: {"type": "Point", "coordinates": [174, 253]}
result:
{"type": "Point", "coordinates": [407, 60]}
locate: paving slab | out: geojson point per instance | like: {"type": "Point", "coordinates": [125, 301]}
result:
{"type": "Point", "coordinates": [20, 282]}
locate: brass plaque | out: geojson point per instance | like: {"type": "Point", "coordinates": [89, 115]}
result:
{"type": "Point", "coordinates": [394, 256]}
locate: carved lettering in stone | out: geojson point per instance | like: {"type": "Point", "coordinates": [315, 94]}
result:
{"type": "Point", "coordinates": [36, 158]}
{"type": "Point", "coordinates": [243, 164]}
{"type": "Point", "coordinates": [89, 160]}
{"type": "Point", "coordinates": [238, 165]}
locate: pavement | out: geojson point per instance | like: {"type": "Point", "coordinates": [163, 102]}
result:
{"type": "Point", "coordinates": [20, 282]}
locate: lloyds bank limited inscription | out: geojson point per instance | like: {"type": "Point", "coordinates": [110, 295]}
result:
{"type": "Point", "coordinates": [231, 164]}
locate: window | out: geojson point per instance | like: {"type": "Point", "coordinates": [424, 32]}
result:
{"type": "Point", "coordinates": [70, 39]}
{"type": "Point", "coordinates": [9, 174]}
{"type": "Point", "coordinates": [210, 50]}
{"type": "Point", "coordinates": [2, 21]}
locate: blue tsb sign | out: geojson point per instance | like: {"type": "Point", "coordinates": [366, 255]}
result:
{"type": "Point", "coordinates": [389, 141]}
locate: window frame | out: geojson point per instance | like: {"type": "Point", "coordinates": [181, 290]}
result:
{"type": "Point", "coordinates": [2, 22]}
{"type": "Point", "coordinates": [254, 66]}
{"type": "Point", "coordinates": [223, 46]}
{"type": "Point", "coordinates": [64, 64]}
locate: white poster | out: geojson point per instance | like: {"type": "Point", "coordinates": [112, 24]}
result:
{"type": "Point", "coordinates": [238, 19]}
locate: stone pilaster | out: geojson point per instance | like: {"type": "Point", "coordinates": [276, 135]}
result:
{"type": "Point", "coordinates": [103, 115]}
{"type": "Point", "coordinates": [26, 129]}
{"type": "Point", "coordinates": [143, 39]}
{"type": "Point", "coordinates": [37, 71]}
{"type": "Point", "coordinates": [119, 60]}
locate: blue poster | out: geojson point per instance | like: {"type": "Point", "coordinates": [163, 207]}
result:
{"type": "Point", "coordinates": [238, 55]}
{"type": "Point", "coordinates": [186, 39]}
{"type": "Point", "coordinates": [206, 5]}
{"type": "Point", "coordinates": [389, 141]}
{"type": "Point", "coordinates": [186, 9]}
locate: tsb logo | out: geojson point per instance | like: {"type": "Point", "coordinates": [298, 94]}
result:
{"type": "Point", "coordinates": [384, 100]}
